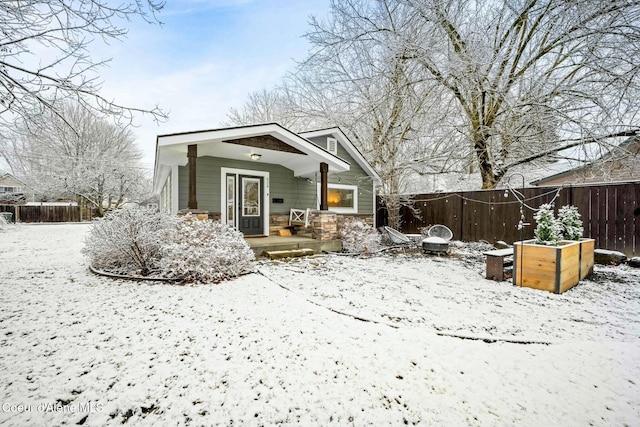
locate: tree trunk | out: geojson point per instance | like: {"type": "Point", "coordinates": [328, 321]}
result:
{"type": "Point", "coordinates": [490, 177]}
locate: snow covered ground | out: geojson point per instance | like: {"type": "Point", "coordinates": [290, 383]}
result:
{"type": "Point", "coordinates": [436, 343]}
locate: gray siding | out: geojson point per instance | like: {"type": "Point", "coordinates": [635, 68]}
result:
{"type": "Point", "coordinates": [298, 193]}
{"type": "Point", "coordinates": [355, 176]}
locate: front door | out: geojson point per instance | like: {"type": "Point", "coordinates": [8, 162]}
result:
{"type": "Point", "coordinates": [251, 205]}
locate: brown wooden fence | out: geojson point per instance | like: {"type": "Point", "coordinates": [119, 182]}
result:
{"type": "Point", "coordinates": [610, 213]}
{"type": "Point", "coordinates": [44, 213]}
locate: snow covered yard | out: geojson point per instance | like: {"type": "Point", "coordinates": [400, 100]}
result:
{"type": "Point", "coordinates": [274, 348]}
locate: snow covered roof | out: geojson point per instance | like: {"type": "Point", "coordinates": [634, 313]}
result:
{"type": "Point", "coordinates": [353, 151]}
{"type": "Point", "coordinates": [272, 142]}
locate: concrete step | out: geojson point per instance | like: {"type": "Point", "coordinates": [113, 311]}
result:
{"type": "Point", "coordinates": [289, 253]}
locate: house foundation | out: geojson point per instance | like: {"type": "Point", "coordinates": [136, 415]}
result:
{"type": "Point", "coordinates": [323, 225]}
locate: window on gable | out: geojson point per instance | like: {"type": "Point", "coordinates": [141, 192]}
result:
{"type": "Point", "coordinates": [332, 146]}
{"type": "Point", "coordinates": [5, 189]}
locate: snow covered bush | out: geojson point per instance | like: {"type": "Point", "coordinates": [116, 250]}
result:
{"type": "Point", "coordinates": [144, 242]}
{"type": "Point", "coordinates": [3, 223]}
{"type": "Point", "coordinates": [128, 241]}
{"type": "Point", "coordinates": [548, 231]}
{"type": "Point", "coordinates": [205, 251]}
{"type": "Point", "coordinates": [358, 236]}
{"type": "Point", "coordinates": [570, 223]}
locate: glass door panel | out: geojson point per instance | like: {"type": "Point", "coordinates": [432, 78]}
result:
{"type": "Point", "coordinates": [231, 199]}
{"type": "Point", "coordinates": [250, 196]}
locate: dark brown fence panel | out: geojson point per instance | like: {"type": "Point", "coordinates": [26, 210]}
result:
{"type": "Point", "coordinates": [29, 213]}
{"type": "Point", "coordinates": [43, 213]}
{"type": "Point", "coordinates": [636, 215]}
{"type": "Point", "coordinates": [610, 213]}
{"type": "Point", "coordinates": [628, 224]}
{"type": "Point", "coordinates": [631, 222]}
{"type": "Point", "coordinates": [432, 209]}
{"type": "Point", "coordinates": [476, 215]}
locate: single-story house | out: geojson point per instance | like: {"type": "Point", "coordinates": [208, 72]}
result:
{"type": "Point", "coordinates": [622, 164]}
{"type": "Point", "coordinates": [253, 176]}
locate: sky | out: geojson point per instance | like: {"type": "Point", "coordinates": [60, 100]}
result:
{"type": "Point", "coordinates": [205, 58]}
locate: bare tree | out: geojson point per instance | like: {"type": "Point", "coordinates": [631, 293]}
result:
{"type": "Point", "coordinates": [81, 156]}
{"type": "Point", "coordinates": [45, 60]}
{"type": "Point", "coordinates": [269, 106]}
{"type": "Point", "coordinates": [521, 80]}
{"type": "Point", "coordinates": [359, 75]}
{"type": "Point", "coordinates": [471, 85]}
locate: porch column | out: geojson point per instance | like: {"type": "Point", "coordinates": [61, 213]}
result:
{"type": "Point", "coordinates": [192, 156]}
{"type": "Point", "coordinates": [324, 186]}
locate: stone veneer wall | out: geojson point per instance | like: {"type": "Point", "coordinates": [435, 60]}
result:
{"type": "Point", "coordinates": [324, 225]}
{"type": "Point", "coordinates": [333, 225]}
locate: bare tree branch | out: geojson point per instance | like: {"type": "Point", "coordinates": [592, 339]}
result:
{"type": "Point", "coordinates": [45, 60]}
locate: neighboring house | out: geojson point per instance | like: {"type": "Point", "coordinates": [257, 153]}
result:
{"type": "Point", "coordinates": [150, 203]}
{"type": "Point", "coordinates": [252, 176]}
{"type": "Point", "coordinates": [13, 190]}
{"type": "Point", "coordinates": [620, 165]}
{"type": "Point", "coordinates": [60, 203]}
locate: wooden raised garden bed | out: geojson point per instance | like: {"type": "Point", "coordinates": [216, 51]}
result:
{"type": "Point", "coordinates": [552, 268]}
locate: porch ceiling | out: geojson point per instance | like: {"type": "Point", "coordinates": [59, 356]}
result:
{"type": "Point", "coordinates": [303, 157]}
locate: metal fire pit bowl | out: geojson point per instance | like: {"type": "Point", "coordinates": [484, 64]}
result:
{"type": "Point", "coordinates": [438, 240]}
{"type": "Point", "coordinates": [435, 245]}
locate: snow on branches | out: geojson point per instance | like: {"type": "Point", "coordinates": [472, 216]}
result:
{"type": "Point", "coordinates": [359, 237]}
{"type": "Point", "coordinates": [147, 243]}
{"type": "Point", "coordinates": [550, 230]}
{"type": "Point", "coordinates": [570, 222]}
{"type": "Point", "coordinates": [128, 241]}
{"type": "Point", "coordinates": [3, 223]}
{"type": "Point", "coordinates": [205, 251]}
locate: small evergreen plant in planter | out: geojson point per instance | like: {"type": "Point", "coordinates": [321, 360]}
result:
{"type": "Point", "coordinates": [548, 231]}
{"type": "Point", "coordinates": [570, 223]}
{"type": "Point", "coordinates": [558, 258]}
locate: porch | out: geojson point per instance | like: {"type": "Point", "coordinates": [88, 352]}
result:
{"type": "Point", "coordinates": [259, 245]}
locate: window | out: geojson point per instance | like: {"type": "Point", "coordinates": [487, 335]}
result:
{"type": "Point", "coordinates": [332, 145]}
{"type": "Point", "coordinates": [165, 196]}
{"type": "Point", "coordinates": [231, 199]}
{"type": "Point", "coordinates": [10, 189]}
{"type": "Point", "coordinates": [250, 196]}
{"type": "Point", "coordinates": [342, 198]}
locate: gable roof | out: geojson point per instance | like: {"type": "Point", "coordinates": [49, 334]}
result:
{"type": "Point", "coordinates": [11, 176]}
{"type": "Point", "coordinates": [630, 146]}
{"type": "Point", "coordinates": [348, 146]}
{"type": "Point", "coordinates": [274, 143]}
